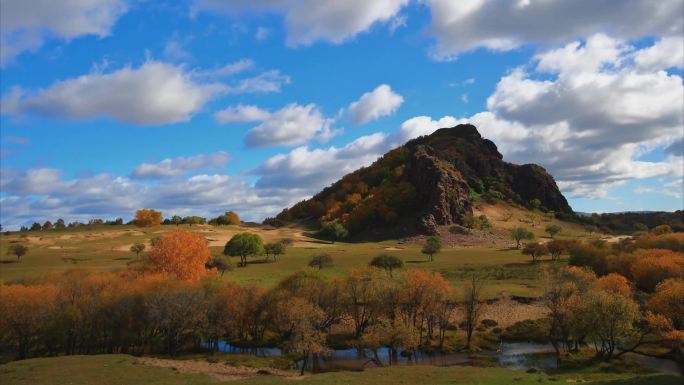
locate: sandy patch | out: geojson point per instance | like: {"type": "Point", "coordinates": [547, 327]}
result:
{"type": "Point", "coordinates": [616, 238]}
{"type": "Point", "coordinates": [506, 312]}
{"type": "Point", "coordinates": [128, 247]}
{"type": "Point", "coordinates": [219, 371]}
{"type": "Point", "coordinates": [392, 249]}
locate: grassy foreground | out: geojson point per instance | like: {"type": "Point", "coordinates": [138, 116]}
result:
{"type": "Point", "coordinates": [119, 369]}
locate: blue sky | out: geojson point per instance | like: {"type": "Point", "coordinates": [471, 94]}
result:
{"type": "Point", "coordinates": [202, 106]}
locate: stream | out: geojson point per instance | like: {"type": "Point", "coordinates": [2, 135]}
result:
{"type": "Point", "coordinates": [514, 355]}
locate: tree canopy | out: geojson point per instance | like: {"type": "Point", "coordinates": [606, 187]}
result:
{"type": "Point", "coordinates": [243, 245]}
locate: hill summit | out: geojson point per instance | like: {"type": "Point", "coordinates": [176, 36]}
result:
{"type": "Point", "coordinates": [429, 181]}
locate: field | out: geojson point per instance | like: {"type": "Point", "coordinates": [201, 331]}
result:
{"type": "Point", "coordinates": [121, 370]}
{"type": "Point", "coordinates": [106, 248]}
{"type": "Point", "coordinates": [488, 253]}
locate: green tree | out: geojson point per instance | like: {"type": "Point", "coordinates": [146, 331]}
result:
{"type": "Point", "coordinates": [220, 263]}
{"type": "Point", "coordinates": [432, 246]}
{"type": "Point", "coordinates": [18, 250]}
{"type": "Point", "coordinates": [274, 249]}
{"type": "Point", "coordinates": [320, 261]}
{"type": "Point", "coordinates": [387, 262]}
{"type": "Point", "coordinates": [553, 230]}
{"type": "Point", "coordinates": [333, 231]}
{"type": "Point", "coordinates": [243, 245]}
{"type": "Point", "coordinates": [519, 234]}
{"type": "Point", "coordinates": [59, 224]}
{"type": "Point", "coordinates": [137, 248]}
{"type": "Point", "coordinates": [176, 220]}
{"type": "Point", "coordinates": [36, 226]}
{"type": "Point", "coordinates": [535, 203]}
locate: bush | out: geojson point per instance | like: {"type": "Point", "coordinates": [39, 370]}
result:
{"type": "Point", "coordinates": [528, 331]}
{"type": "Point", "coordinates": [321, 261]}
{"type": "Point", "coordinates": [585, 255]}
{"type": "Point", "coordinates": [654, 266]}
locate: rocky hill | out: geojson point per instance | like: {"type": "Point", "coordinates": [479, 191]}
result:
{"type": "Point", "coordinates": [432, 180]}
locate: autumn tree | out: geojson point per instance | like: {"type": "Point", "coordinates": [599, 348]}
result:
{"type": "Point", "coordinates": [301, 320]}
{"type": "Point", "coordinates": [535, 250]}
{"type": "Point", "coordinates": [219, 263]}
{"type": "Point", "coordinates": [472, 307]}
{"type": "Point", "coordinates": [137, 248]}
{"type": "Point", "coordinates": [553, 230]}
{"type": "Point", "coordinates": [668, 300]}
{"type": "Point", "coordinates": [274, 249]}
{"type": "Point", "coordinates": [18, 250]}
{"type": "Point", "coordinates": [608, 319]}
{"type": "Point", "coordinates": [615, 283]}
{"type": "Point", "coordinates": [228, 218]}
{"type": "Point", "coordinates": [333, 231]}
{"type": "Point", "coordinates": [654, 266]}
{"type": "Point", "coordinates": [364, 290]}
{"type": "Point", "coordinates": [181, 253]}
{"type": "Point", "coordinates": [320, 261]}
{"type": "Point", "coordinates": [47, 226]}
{"type": "Point", "coordinates": [432, 246]}
{"type": "Point", "coordinates": [662, 229]}
{"type": "Point", "coordinates": [519, 234]}
{"type": "Point", "coordinates": [387, 262]}
{"type": "Point", "coordinates": [24, 312]}
{"type": "Point", "coordinates": [147, 218]}
{"type": "Point", "coordinates": [243, 245]}
{"type": "Point", "coordinates": [556, 247]}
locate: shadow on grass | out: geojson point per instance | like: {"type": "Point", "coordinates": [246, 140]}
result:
{"type": "Point", "coordinates": [3, 261]}
{"type": "Point", "coordinates": [421, 261]}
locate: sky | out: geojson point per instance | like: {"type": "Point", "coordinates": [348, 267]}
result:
{"type": "Point", "coordinates": [197, 107]}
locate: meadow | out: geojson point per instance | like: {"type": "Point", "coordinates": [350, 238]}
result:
{"type": "Point", "coordinates": [489, 254]}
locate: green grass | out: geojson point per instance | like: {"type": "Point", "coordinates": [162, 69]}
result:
{"type": "Point", "coordinates": [118, 369]}
{"type": "Point", "coordinates": [105, 248]}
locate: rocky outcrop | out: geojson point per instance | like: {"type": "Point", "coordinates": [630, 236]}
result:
{"type": "Point", "coordinates": [430, 181]}
{"type": "Point", "coordinates": [442, 190]}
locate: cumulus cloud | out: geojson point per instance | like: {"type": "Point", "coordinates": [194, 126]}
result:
{"type": "Point", "coordinates": [590, 123]}
{"type": "Point", "coordinates": [154, 93]}
{"type": "Point", "coordinates": [306, 170]}
{"type": "Point", "coordinates": [382, 101]}
{"type": "Point", "coordinates": [666, 53]}
{"type": "Point", "coordinates": [26, 24]}
{"type": "Point", "coordinates": [502, 25]}
{"type": "Point", "coordinates": [180, 166]}
{"type": "Point", "coordinates": [291, 125]}
{"type": "Point", "coordinates": [310, 21]}
{"type": "Point", "coordinates": [40, 194]}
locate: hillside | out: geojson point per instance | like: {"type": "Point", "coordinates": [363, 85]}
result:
{"type": "Point", "coordinates": [430, 181]}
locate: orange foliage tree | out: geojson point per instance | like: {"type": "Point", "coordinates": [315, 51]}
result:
{"type": "Point", "coordinates": [180, 252]}
{"type": "Point", "coordinates": [615, 283]}
{"type": "Point", "coordinates": [653, 266]}
{"type": "Point", "coordinates": [147, 218]}
{"type": "Point", "coordinates": [24, 311]}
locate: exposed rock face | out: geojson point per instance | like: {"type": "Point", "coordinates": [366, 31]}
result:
{"type": "Point", "coordinates": [430, 181]}
{"type": "Point", "coordinates": [442, 190]}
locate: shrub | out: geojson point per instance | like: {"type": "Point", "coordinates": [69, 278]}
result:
{"type": "Point", "coordinates": [321, 261]}
{"type": "Point", "coordinates": [654, 266]}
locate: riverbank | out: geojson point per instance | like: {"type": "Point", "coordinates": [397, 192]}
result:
{"type": "Point", "coordinates": [118, 369]}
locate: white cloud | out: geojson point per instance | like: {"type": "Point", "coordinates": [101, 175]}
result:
{"type": "Point", "coordinates": [266, 82]}
{"type": "Point", "coordinates": [262, 33]}
{"type": "Point", "coordinates": [154, 93]}
{"type": "Point", "coordinates": [241, 113]}
{"type": "Point", "coordinates": [306, 170]}
{"type": "Point", "coordinates": [291, 125]}
{"type": "Point", "coordinates": [382, 101]}
{"type": "Point", "coordinates": [309, 21]}
{"type": "Point", "coordinates": [502, 25]}
{"type": "Point", "coordinates": [41, 194]}
{"type": "Point", "coordinates": [592, 120]}
{"type": "Point", "coordinates": [26, 24]}
{"type": "Point", "coordinates": [180, 166]}
{"type": "Point", "coordinates": [666, 53]}
{"type": "Point", "coordinates": [229, 69]}
{"type": "Point", "coordinates": [419, 126]}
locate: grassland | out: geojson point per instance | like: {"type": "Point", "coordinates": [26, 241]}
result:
{"type": "Point", "coordinates": [118, 369]}
{"type": "Point", "coordinates": [106, 248]}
